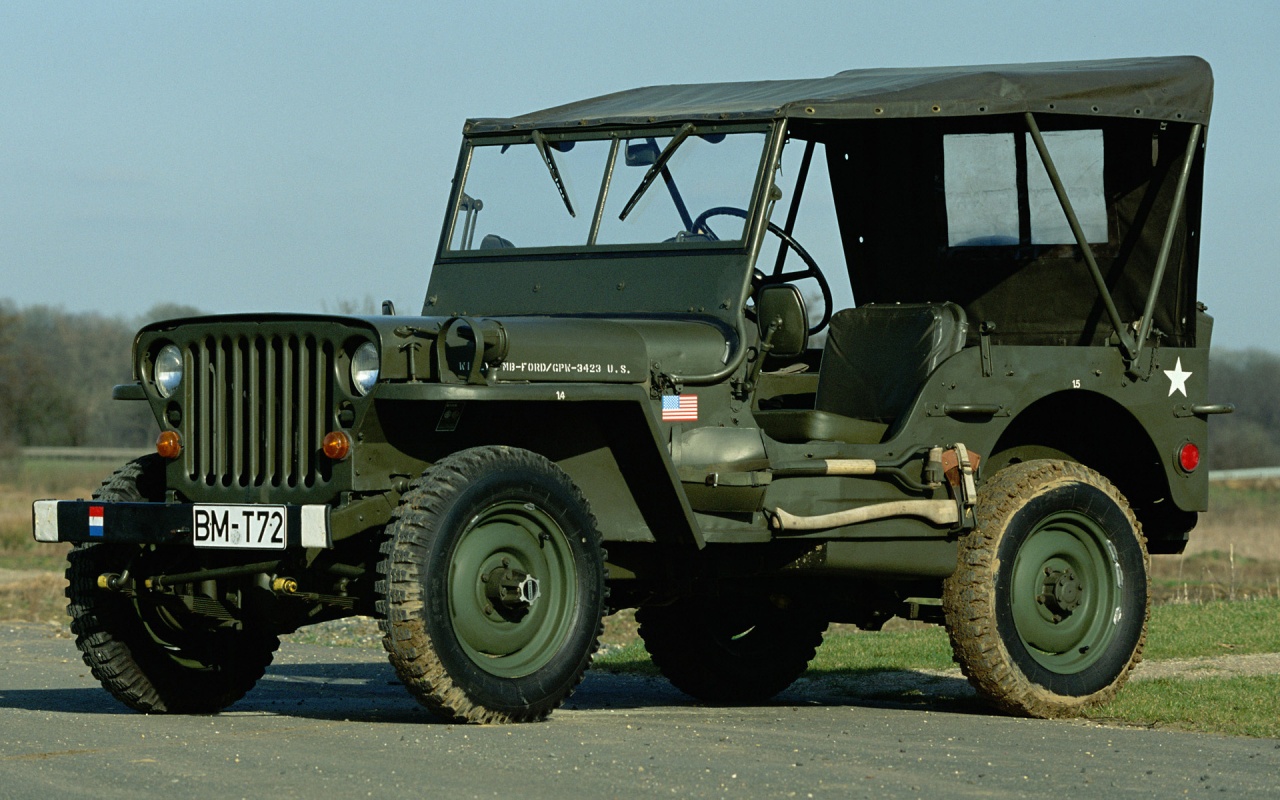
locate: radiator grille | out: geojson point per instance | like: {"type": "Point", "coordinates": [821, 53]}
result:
{"type": "Point", "coordinates": [258, 409]}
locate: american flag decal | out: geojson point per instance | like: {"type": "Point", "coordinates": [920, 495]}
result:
{"type": "Point", "coordinates": [680, 408]}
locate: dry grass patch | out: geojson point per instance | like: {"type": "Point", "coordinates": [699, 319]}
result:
{"type": "Point", "coordinates": [24, 482]}
{"type": "Point", "coordinates": [32, 597]}
{"type": "Point", "coordinates": [1243, 518]}
{"type": "Point", "coordinates": [18, 548]}
{"type": "Point", "coordinates": [1234, 553]}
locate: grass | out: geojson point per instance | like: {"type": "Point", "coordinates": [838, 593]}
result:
{"type": "Point", "coordinates": [1238, 706]}
{"type": "Point", "coordinates": [1213, 629]}
{"type": "Point", "coordinates": [50, 477]}
{"type": "Point", "coordinates": [629, 658]}
{"type": "Point", "coordinates": [858, 652]}
{"type": "Point", "coordinates": [1175, 631]}
{"type": "Point", "coordinates": [38, 598]}
{"type": "Point", "coordinates": [843, 651]}
{"type": "Point", "coordinates": [23, 482]}
{"type": "Point", "coordinates": [1234, 552]}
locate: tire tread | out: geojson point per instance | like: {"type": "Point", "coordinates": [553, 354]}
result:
{"type": "Point", "coordinates": [969, 596]}
{"type": "Point", "coordinates": [401, 609]}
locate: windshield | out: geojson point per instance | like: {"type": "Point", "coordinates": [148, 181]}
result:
{"type": "Point", "coordinates": [647, 188]}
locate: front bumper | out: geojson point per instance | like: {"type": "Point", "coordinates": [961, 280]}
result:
{"type": "Point", "coordinates": [304, 526]}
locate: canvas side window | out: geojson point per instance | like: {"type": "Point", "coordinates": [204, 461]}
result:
{"type": "Point", "coordinates": [982, 194]}
{"type": "Point", "coordinates": [1078, 157]}
{"type": "Point", "coordinates": [981, 179]}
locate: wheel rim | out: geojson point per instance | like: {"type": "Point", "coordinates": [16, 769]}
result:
{"type": "Point", "coordinates": [515, 637]}
{"type": "Point", "coordinates": [1065, 592]}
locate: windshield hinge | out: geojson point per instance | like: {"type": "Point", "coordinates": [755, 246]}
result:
{"type": "Point", "coordinates": [661, 383]}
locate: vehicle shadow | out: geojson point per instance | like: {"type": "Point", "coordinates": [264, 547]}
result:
{"type": "Point", "coordinates": [361, 688]}
{"type": "Point", "coordinates": [371, 692]}
{"type": "Point", "coordinates": [71, 701]}
{"type": "Point", "coordinates": [905, 688]}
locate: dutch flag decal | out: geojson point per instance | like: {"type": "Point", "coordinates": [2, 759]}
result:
{"type": "Point", "coordinates": [95, 520]}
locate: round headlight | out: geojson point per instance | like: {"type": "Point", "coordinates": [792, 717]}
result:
{"type": "Point", "coordinates": [168, 370]}
{"type": "Point", "coordinates": [364, 367]}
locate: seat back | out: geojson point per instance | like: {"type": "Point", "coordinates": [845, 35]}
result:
{"type": "Point", "coordinates": [877, 357]}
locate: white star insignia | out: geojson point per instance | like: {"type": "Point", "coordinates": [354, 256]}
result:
{"type": "Point", "coordinates": [1178, 379]}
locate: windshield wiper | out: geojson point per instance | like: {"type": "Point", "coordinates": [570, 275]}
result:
{"type": "Point", "coordinates": [656, 167]}
{"type": "Point", "coordinates": [540, 142]}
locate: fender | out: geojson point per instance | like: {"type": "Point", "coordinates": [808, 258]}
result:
{"type": "Point", "coordinates": [615, 453]}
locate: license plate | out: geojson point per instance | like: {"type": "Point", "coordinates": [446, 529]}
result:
{"type": "Point", "coordinates": [239, 527]}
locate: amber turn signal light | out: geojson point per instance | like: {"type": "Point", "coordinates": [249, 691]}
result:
{"type": "Point", "coordinates": [336, 445]}
{"type": "Point", "coordinates": [169, 444]}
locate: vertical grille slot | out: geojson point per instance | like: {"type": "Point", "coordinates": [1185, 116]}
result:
{"type": "Point", "coordinates": [285, 409]}
{"type": "Point", "coordinates": [259, 407]}
{"type": "Point", "coordinates": [270, 423]}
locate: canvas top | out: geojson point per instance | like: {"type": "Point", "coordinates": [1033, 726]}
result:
{"type": "Point", "coordinates": [1172, 89]}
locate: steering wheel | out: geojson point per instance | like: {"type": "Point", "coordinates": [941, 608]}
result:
{"type": "Point", "coordinates": [811, 269]}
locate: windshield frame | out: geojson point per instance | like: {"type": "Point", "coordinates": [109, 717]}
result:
{"type": "Point", "coordinates": [455, 214]}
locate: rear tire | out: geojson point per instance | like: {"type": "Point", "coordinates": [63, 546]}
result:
{"type": "Point", "coordinates": [1047, 609]}
{"type": "Point", "coordinates": [740, 651]}
{"type": "Point", "coordinates": [147, 650]}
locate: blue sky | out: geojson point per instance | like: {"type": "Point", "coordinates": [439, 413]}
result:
{"type": "Point", "coordinates": [289, 156]}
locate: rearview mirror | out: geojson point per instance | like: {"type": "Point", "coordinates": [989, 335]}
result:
{"type": "Point", "coordinates": [642, 154]}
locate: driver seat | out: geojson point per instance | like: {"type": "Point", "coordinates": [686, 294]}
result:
{"type": "Point", "coordinates": [877, 357]}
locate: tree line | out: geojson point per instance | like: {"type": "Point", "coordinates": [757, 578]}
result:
{"type": "Point", "coordinates": [57, 369]}
{"type": "Point", "coordinates": [56, 373]}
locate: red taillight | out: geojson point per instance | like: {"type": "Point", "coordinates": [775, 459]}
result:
{"type": "Point", "coordinates": [336, 445]}
{"type": "Point", "coordinates": [169, 445]}
{"type": "Point", "coordinates": [1189, 457]}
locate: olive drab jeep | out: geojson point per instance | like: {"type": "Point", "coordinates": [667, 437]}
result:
{"type": "Point", "coordinates": [748, 357]}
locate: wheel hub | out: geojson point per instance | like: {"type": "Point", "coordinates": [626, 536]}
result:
{"type": "Point", "coordinates": [1062, 592]}
{"type": "Point", "coordinates": [511, 592]}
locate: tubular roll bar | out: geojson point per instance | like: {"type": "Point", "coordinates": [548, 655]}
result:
{"type": "Point", "coordinates": [1166, 245]}
{"type": "Point", "coordinates": [1132, 349]}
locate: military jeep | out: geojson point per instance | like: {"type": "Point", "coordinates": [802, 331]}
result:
{"type": "Point", "coordinates": [750, 358]}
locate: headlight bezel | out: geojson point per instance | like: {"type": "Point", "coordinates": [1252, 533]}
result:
{"type": "Point", "coordinates": [366, 367]}
{"type": "Point", "coordinates": [167, 370]}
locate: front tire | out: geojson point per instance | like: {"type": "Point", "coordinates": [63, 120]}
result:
{"type": "Point", "coordinates": [146, 649]}
{"type": "Point", "coordinates": [492, 587]}
{"type": "Point", "coordinates": [1047, 609]}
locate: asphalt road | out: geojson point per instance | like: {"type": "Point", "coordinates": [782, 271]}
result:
{"type": "Point", "coordinates": [332, 722]}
